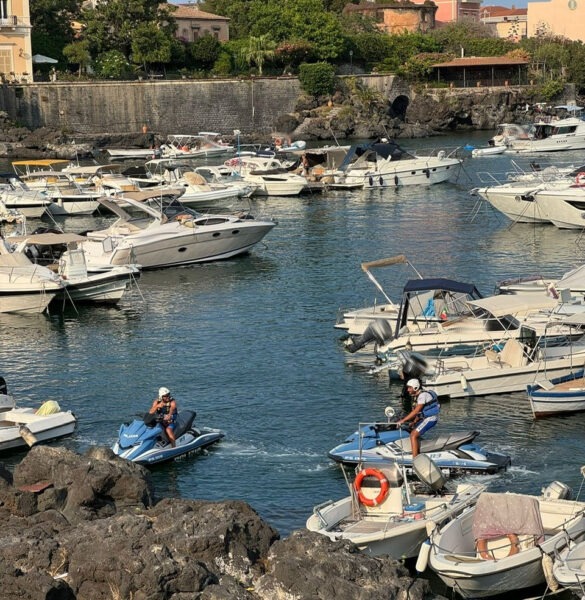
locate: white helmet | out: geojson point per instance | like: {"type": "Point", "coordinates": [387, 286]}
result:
{"type": "Point", "coordinates": [163, 391]}
{"type": "Point", "coordinates": [414, 384]}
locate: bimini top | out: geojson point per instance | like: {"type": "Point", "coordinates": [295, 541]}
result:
{"type": "Point", "coordinates": [448, 285]}
{"type": "Point", "coordinates": [512, 304]}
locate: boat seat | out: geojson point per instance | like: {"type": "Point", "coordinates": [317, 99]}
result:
{"type": "Point", "coordinates": [511, 355]}
{"type": "Point", "coordinates": [545, 384]}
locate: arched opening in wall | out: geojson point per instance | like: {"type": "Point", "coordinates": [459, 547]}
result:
{"type": "Point", "coordinates": [398, 107]}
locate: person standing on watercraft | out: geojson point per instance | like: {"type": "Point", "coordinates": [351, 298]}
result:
{"type": "Point", "coordinates": [165, 408]}
{"type": "Point", "coordinates": [424, 415]}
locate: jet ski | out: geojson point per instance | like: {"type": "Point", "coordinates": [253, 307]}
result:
{"type": "Point", "coordinates": [145, 442]}
{"type": "Point", "coordinates": [454, 453]}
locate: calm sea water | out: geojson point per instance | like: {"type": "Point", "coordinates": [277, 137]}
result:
{"type": "Point", "coordinates": [249, 343]}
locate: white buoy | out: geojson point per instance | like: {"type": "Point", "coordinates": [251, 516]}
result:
{"type": "Point", "coordinates": [463, 383]}
{"type": "Point", "coordinates": [423, 556]}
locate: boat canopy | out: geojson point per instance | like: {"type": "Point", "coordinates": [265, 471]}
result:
{"type": "Point", "coordinates": [511, 304]}
{"type": "Point", "coordinates": [49, 239]}
{"type": "Point", "coordinates": [448, 285]}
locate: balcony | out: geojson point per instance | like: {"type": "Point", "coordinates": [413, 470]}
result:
{"type": "Point", "coordinates": [10, 22]}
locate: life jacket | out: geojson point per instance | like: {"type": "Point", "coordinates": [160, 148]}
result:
{"type": "Point", "coordinates": [165, 410]}
{"type": "Point", "coordinates": [431, 407]}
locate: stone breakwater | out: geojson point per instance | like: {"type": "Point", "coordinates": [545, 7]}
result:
{"type": "Point", "coordinates": [90, 527]}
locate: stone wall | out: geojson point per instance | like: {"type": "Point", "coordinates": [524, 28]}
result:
{"type": "Point", "coordinates": [250, 105]}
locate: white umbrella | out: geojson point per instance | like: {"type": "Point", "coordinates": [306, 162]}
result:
{"type": "Point", "coordinates": [39, 58]}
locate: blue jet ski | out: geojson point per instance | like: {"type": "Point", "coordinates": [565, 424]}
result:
{"type": "Point", "coordinates": [453, 453]}
{"type": "Point", "coordinates": [145, 441]}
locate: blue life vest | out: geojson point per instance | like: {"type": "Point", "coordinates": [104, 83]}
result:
{"type": "Point", "coordinates": [431, 407]}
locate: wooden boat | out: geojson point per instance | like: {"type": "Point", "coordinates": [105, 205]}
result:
{"type": "Point", "coordinates": [558, 396]}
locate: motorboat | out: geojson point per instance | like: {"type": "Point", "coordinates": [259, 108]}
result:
{"type": "Point", "coordinates": [220, 175]}
{"type": "Point", "coordinates": [197, 191]}
{"type": "Point", "coordinates": [23, 427]}
{"type": "Point", "coordinates": [25, 287]}
{"type": "Point", "coordinates": [384, 514]}
{"type": "Point", "coordinates": [558, 396]}
{"type": "Point", "coordinates": [170, 234]}
{"type": "Point", "coordinates": [11, 215]}
{"type": "Point", "coordinates": [356, 321]}
{"type": "Point", "coordinates": [551, 135]}
{"type": "Point", "coordinates": [63, 253]}
{"type": "Point", "coordinates": [144, 441]}
{"type": "Point", "coordinates": [269, 174]}
{"type": "Point", "coordinates": [488, 151]}
{"type": "Point", "coordinates": [572, 281]}
{"type": "Point", "coordinates": [132, 153]}
{"type": "Point", "coordinates": [202, 145]}
{"type": "Point", "coordinates": [505, 542]}
{"type": "Point", "coordinates": [511, 367]}
{"type": "Point", "coordinates": [480, 323]}
{"type": "Point", "coordinates": [385, 164]}
{"type": "Point", "coordinates": [454, 453]}
{"type": "Point", "coordinates": [569, 568]}
{"type": "Point", "coordinates": [108, 179]}
{"type": "Point", "coordinates": [17, 196]}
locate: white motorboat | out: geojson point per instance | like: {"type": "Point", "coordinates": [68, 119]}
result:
{"type": "Point", "coordinates": [61, 252]}
{"type": "Point", "coordinates": [386, 515]}
{"type": "Point", "coordinates": [550, 135]}
{"type": "Point", "coordinates": [488, 151]}
{"type": "Point", "coordinates": [17, 196]}
{"type": "Point", "coordinates": [559, 396]}
{"type": "Point", "coordinates": [202, 145]}
{"type": "Point", "coordinates": [25, 287]}
{"type": "Point", "coordinates": [573, 281]}
{"type": "Point", "coordinates": [130, 153]}
{"type": "Point", "coordinates": [23, 427]}
{"type": "Point", "coordinates": [386, 164]}
{"type": "Point", "coordinates": [558, 351]}
{"type": "Point", "coordinates": [11, 215]}
{"type": "Point", "coordinates": [569, 568]}
{"type": "Point", "coordinates": [170, 235]}
{"type": "Point", "coordinates": [269, 174]}
{"type": "Point", "coordinates": [222, 176]}
{"type": "Point", "coordinates": [356, 321]}
{"type": "Point", "coordinates": [505, 542]}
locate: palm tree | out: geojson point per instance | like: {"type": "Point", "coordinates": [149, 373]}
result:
{"type": "Point", "coordinates": [258, 50]}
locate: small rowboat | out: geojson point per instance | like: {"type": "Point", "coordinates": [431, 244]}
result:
{"type": "Point", "coordinates": [488, 151]}
{"type": "Point", "coordinates": [558, 396]}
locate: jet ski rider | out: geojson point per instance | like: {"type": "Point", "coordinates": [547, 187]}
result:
{"type": "Point", "coordinates": [424, 415]}
{"type": "Point", "coordinates": [165, 408]}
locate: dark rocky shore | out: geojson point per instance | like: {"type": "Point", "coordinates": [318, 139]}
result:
{"type": "Point", "coordinates": [345, 116]}
{"type": "Point", "coordinates": [90, 527]}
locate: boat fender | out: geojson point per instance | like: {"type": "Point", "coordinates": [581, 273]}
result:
{"type": "Point", "coordinates": [384, 486]}
{"type": "Point", "coordinates": [427, 173]}
{"type": "Point", "coordinates": [395, 179]}
{"type": "Point", "coordinates": [381, 181]}
{"type": "Point", "coordinates": [371, 180]}
{"type": "Point", "coordinates": [423, 556]}
{"type": "Point", "coordinates": [547, 568]}
{"type": "Point", "coordinates": [482, 547]}
{"type": "Point", "coordinates": [463, 383]}
{"type": "Point", "coordinates": [580, 178]}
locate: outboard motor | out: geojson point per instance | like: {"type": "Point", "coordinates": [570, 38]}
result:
{"type": "Point", "coordinates": [557, 491]}
{"type": "Point", "coordinates": [428, 472]}
{"type": "Point", "coordinates": [414, 365]}
{"type": "Point", "coordinates": [379, 331]}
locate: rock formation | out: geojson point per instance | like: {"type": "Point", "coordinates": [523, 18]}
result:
{"type": "Point", "coordinates": [89, 527]}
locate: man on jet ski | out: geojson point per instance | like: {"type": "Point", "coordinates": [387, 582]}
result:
{"type": "Point", "coordinates": [165, 409]}
{"type": "Point", "coordinates": [424, 415]}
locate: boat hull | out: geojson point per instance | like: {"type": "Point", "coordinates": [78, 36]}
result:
{"type": "Point", "coordinates": [567, 396]}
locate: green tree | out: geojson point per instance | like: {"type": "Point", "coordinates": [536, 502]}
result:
{"type": "Point", "coordinates": [77, 53]}
{"type": "Point", "coordinates": [205, 51]}
{"type": "Point", "coordinates": [111, 25]}
{"type": "Point", "coordinates": [150, 45]}
{"type": "Point", "coordinates": [112, 64]}
{"type": "Point", "coordinates": [236, 11]}
{"type": "Point", "coordinates": [258, 50]}
{"type": "Point", "coordinates": [317, 79]}
{"type": "Point", "coordinates": [51, 25]}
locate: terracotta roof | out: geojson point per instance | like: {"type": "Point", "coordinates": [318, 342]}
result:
{"type": "Point", "coordinates": [191, 11]}
{"type": "Point", "coordinates": [501, 11]}
{"type": "Point", "coordinates": [483, 61]}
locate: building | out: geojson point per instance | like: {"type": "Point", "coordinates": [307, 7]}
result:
{"type": "Point", "coordinates": [480, 71]}
{"type": "Point", "coordinates": [396, 18]}
{"type": "Point", "coordinates": [15, 41]}
{"type": "Point", "coordinates": [193, 23]}
{"type": "Point", "coordinates": [557, 17]}
{"type": "Point", "coordinates": [506, 23]}
{"type": "Point", "coordinates": [452, 11]}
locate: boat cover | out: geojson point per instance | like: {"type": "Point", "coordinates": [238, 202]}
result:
{"type": "Point", "coordinates": [511, 304]}
{"type": "Point", "coordinates": [574, 280]}
{"type": "Point", "coordinates": [497, 515]}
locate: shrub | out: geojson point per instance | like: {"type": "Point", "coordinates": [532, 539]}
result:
{"type": "Point", "coordinates": [317, 79]}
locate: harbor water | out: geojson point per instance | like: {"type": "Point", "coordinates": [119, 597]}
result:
{"type": "Point", "coordinates": [249, 343]}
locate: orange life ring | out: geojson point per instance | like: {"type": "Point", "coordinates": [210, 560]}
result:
{"type": "Point", "coordinates": [482, 547]}
{"type": "Point", "coordinates": [384, 486]}
{"type": "Point", "coordinates": [580, 178]}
